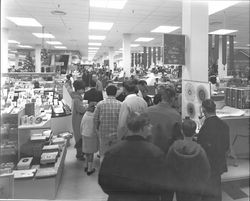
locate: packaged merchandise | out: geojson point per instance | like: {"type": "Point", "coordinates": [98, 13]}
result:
{"type": "Point", "coordinates": [24, 163]}
{"type": "Point", "coordinates": [47, 158]}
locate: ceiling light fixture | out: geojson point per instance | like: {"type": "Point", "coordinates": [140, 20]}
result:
{"type": "Point", "coordinates": [13, 41]}
{"type": "Point", "coordinates": [24, 21]}
{"type": "Point", "coordinates": [134, 45]}
{"type": "Point", "coordinates": [54, 42]}
{"type": "Point", "coordinates": [165, 29]}
{"type": "Point", "coordinates": [95, 44]}
{"type": "Point", "coordinates": [223, 31]}
{"type": "Point", "coordinates": [24, 46]}
{"type": "Point", "coordinates": [216, 6]}
{"type": "Point", "coordinates": [93, 37]}
{"type": "Point", "coordinates": [144, 39]}
{"type": "Point", "coordinates": [93, 48]}
{"type": "Point", "coordinates": [43, 35]}
{"type": "Point", "coordinates": [100, 25]}
{"type": "Point", "coordinates": [114, 4]}
{"type": "Point", "coordinates": [60, 47]}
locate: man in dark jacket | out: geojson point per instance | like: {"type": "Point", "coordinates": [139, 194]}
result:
{"type": "Point", "coordinates": [214, 138]}
{"type": "Point", "coordinates": [93, 95]}
{"type": "Point", "coordinates": [132, 169]}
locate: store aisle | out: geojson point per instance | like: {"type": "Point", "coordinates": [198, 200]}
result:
{"type": "Point", "coordinates": [76, 185]}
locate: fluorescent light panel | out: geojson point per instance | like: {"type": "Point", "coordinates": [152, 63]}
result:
{"type": "Point", "coordinates": [223, 31]}
{"type": "Point", "coordinates": [93, 37]}
{"type": "Point", "coordinates": [100, 25]}
{"type": "Point", "coordinates": [25, 46]}
{"type": "Point", "coordinates": [95, 44]}
{"type": "Point", "coordinates": [54, 42]}
{"type": "Point", "coordinates": [93, 48]}
{"type": "Point", "coordinates": [121, 49]}
{"type": "Point", "coordinates": [24, 21]}
{"type": "Point", "coordinates": [134, 45]}
{"type": "Point", "coordinates": [216, 6]}
{"type": "Point", "coordinates": [13, 41]}
{"type": "Point", "coordinates": [43, 35]}
{"type": "Point", "coordinates": [60, 47]}
{"type": "Point", "coordinates": [113, 4]}
{"type": "Point", "coordinates": [165, 29]}
{"type": "Point", "coordinates": [144, 39]}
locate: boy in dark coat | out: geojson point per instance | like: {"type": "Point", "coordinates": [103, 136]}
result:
{"type": "Point", "coordinates": [187, 166]}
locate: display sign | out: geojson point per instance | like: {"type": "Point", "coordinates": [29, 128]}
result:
{"type": "Point", "coordinates": [174, 49]}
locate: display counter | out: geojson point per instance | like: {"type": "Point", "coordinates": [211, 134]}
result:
{"type": "Point", "coordinates": [44, 187]}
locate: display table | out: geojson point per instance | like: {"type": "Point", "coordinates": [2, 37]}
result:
{"type": "Point", "coordinates": [239, 135]}
{"type": "Point", "coordinates": [41, 188]}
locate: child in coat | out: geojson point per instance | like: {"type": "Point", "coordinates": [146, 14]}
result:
{"type": "Point", "coordinates": [89, 137]}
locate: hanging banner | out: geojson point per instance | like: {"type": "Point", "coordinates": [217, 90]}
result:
{"type": "Point", "coordinates": [231, 53]}
{"type": "Point", "coordinates": [174, 49]}
{"type": "Point", "coordinates": [210, 49]}
{"type": "Point", "coordinates": [149, 56]}
{"type": "Point", "coordinates": [159, 54]}
{"type": "Point", "coordinates": [136, 55]}
{"type": "Point", "coordinates": [132, 59]}
{"type": "Point", "coordinates": [144, 57]}
{"type": "Point", "coordinates": [224, 50]}
{"type": "Point", "coordinates": [154, 55]}
{"type": "Point", "coordinates": [139, 59]}
{"type": "Point", "coordinates": [216, 48]}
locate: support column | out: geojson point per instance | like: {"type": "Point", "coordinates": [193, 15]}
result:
{"type": "Point", "coordinates": [38, 59]}
{"type": "Point", "coordinates": [195, 28]}
{"type": "Point", "coordinates": [126, 54]}
{"type": "Point", "coordinates": [4, 50]}
{"type": "Point", "coordinates": [222, 69]}
{"type": "Point", "coordinates": [16, 60]}
{"type": "Point", "coordinates": [53, 57]}
{"type": "Point", "coordinates": [111, 58]}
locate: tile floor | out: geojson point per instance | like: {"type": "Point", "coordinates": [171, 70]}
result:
{"type": "Point", "coordinates": [76, 185]}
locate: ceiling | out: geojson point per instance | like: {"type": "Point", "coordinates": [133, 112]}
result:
{"type": "Point", "coordinates": [138, 17]}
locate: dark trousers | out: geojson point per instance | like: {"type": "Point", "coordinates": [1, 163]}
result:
{"type": "Point", "coordinates": [213, 189]}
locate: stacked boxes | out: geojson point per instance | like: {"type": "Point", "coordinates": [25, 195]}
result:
{"type": "Point", "coordinates": [237, 97]}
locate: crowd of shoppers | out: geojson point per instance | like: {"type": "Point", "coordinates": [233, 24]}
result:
{"type": "Point", "coordinates": [147, 151]}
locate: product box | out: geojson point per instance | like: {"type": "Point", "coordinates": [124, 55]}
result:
{"type": "Point", "coordinates": [24, 163]}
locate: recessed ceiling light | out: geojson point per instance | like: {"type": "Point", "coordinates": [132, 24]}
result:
{"type": "Point", "coordinates": [25, 46]}
{"type": "Point", "coordinates": [24, 21]}
{"type": "Point", "coordinates": [58, 12]}
{"type": "Point", "coordinates": [95, 44]}
{"type": "Point", "coordinates": [143, 39]}
{"type": "Point", "coordinates": [93, 37]}
{"type": "Point", "coordinates": [108, 4]}
{"type": "Point", "coordinates": [134, 45]}
{"type": "Point", "coordinates": [216, 6]}
{"type": "Point", "coordinates": [165, 29]}
{"type": "Point", "coordinates": [248, 45]}
{"type": "Point", "coordinates": [100, 25]}
{"type": "Point", "coordinates": [60, 47]}
{"type": "Point", "coordinates": [13, 51]}
{"type": "Point", "coordinates": [223, 31]}
{"type": "Point", "coordinates": [54, 42]}
{"type": "Point", "coordinates": [13, 41]}
{"type": "Point", "coordinates": [93, 48]}
{"type": "Point", "coordinates": [43, 35]}
{"type": "Point", "coordinates": [92, 51]}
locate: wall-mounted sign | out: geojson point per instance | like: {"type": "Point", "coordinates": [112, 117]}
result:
{"type": "Point", "coordinates": [174, 49]}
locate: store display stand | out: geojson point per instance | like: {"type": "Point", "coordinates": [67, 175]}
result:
{"type": "Point", "coordinates": [41, 188]}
